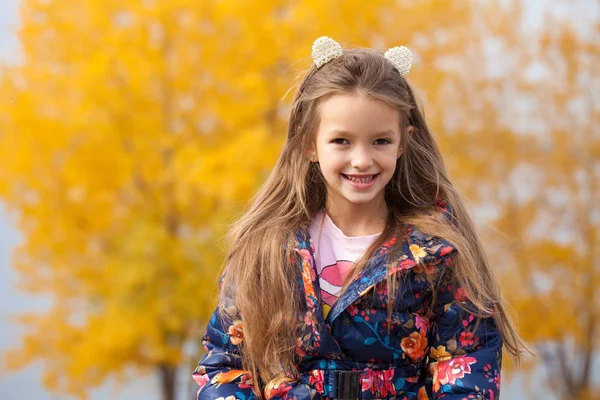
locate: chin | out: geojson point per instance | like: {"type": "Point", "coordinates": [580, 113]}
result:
{"type": "Point", "coordinates": [358, 200]}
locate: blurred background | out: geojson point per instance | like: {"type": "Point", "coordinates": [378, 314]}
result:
{"type": "Point", "coordinates": [132, 132]}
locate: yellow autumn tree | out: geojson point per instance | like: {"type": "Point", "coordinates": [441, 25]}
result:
{"type": "Point", "coordinates": [525, 146]}
{"type": "Point", "coordinates": [132, 133]}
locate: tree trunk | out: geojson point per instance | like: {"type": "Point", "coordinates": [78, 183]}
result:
{"type": "Point", "coordinates": [167, 376]}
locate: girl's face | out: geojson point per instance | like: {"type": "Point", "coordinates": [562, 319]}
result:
{"type": "Point", "coordinates": [357, 145]}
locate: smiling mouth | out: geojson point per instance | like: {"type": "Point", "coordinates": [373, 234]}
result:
{"type": "Point", "coordinates": [361, 179]}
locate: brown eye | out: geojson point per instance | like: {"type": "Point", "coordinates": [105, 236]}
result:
{"type": "Point", "coordinates": [382, 141]}
{"type": "Point", "coordinates": [340, 141]}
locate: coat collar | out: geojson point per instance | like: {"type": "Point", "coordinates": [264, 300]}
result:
{"type": "Point", "coordinates": [415, 248]}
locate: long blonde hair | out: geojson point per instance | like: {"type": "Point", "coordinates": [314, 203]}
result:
{"type": "Point", "coordinates": [262, 273]}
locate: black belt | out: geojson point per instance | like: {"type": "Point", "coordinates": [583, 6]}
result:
{"type": "Point", "coordinates": [345, 385]}
{"type": "Point", "coordinates": [348, 385]}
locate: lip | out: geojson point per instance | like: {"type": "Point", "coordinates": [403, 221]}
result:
{"type": "Point", "coordinates": [360, 185]}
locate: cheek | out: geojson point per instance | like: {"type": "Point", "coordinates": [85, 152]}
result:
{"type": "Point", "coordinates": [331, 160]}
{"type": "Point", "coordinates": [389, 161]}
{"type": "Point", "coordinates": [332, 167]}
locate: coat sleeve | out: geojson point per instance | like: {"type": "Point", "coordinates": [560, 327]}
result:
{"type": "Point", "coordinates": [465, 351]}
{"type": "Point", "coordinates": [219, 373]}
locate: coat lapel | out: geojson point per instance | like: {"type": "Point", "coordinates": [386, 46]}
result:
{"type": "Point", "coordinates": [415, 248]}
{"type": "Point", "coordinates": [374, 272]}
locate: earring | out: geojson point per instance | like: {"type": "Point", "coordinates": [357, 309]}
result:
{"type": "Point", "coordinates": [313, 157]}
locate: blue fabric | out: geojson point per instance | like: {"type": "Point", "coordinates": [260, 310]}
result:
{"type": "Point", "coordinates": [428, 350]}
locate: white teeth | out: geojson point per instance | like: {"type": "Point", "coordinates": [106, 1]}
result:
{"type": "Point", "coordinates": [363, 180]}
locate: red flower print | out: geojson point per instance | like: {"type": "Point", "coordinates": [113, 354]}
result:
{"type": "Point", "coordinates": [309, 318]}
{"type": "Point", "coordinates": [201, 380]}
{"type": "Point", "coordinates": [414, 345]}
{"type": "Point", "coordinates": [278, 387]}
{"type": "Point", "coordinates": [367, 380]}
{"type": "Point", "coordinates": [388, 383]}
{"type": "Point", "coordinates": [379, 382]}
{"type": "Point", "coordinates": [447, 372]}
{"type": "Point", "coordinates": [382, 290]}
{"type": "Point", "coordinates": [495, 378]}
{"type": "Point", "coordinates": [236, 332]}
{"type": "Point", "coordinates": [247, 382]}
{"type": "Point", "coordinates": [449, 261]}
{"type": "Point", "coordinates": [468, 320]}
{"type": "Point", "coordinates": [461, 295]}
{"type": "Point", "coordinates": [300, 352]}
{"type": "Point", "coordinates": [441, 205]}
{"type": "Point", "coordinates": [390, 242]}
{"type": "Point", "coordinates": [407, 264]}
{"type": "Point", "coordinates": [352, 309]}
{"type": "Point", "coordinates": [446, 250]}
{"type": "Point", "coordinates": [466, 339]}
{"type": "Point", "coordinates": [421, 323]}
{"type": "Point", "coordinates": [402, 265]}
{"type": "Point", "coordinates": [316, 380]}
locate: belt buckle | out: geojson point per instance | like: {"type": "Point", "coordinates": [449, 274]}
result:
{"type": "Point", "coordinates": [349, 385]}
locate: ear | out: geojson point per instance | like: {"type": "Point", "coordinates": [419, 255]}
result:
{"type": "Point", "coordinates": [409, 132]}
{"type": "Point", "coordinates": [311, 154]}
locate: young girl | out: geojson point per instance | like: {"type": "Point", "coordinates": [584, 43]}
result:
{"type": "Point", "coordinates": [356, 273]}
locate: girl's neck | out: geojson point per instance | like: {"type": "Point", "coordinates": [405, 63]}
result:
{"type": "Point", "coordinates": [358, 219]}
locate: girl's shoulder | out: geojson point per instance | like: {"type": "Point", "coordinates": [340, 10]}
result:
{"type": "Point", "coordinates": [440, 214]}
{"type": "Point", "coordinates": [420, 246]}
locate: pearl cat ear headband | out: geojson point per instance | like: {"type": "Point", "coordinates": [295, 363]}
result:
{"type": "Point", "coordinates": [326, 49]}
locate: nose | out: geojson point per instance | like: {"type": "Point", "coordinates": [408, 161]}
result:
{"type": "Point", "coordinates": [361, 159]}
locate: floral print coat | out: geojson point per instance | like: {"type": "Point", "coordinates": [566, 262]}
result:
{"type": "Point", "coordinates": [428, 349]}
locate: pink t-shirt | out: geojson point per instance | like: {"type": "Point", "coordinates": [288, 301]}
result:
{"type": "Point", "coordinates": [335, 255]}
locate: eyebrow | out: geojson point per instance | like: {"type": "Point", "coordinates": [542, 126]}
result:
{"type": "Point", "coordinates": [343, 132]}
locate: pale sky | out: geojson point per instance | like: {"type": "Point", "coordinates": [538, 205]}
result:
{"type": "Point", "coordinates": [8, 20]}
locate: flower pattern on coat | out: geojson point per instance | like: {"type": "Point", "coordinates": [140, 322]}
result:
{"type": "Point", "coordinates": [236, 332]}
{"type": "Point", "coordinates": [448, 371]}
{"type": "Point", "coordinates": [414, 345]}
{"type": "Point", "coordinates": [422, 351]}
